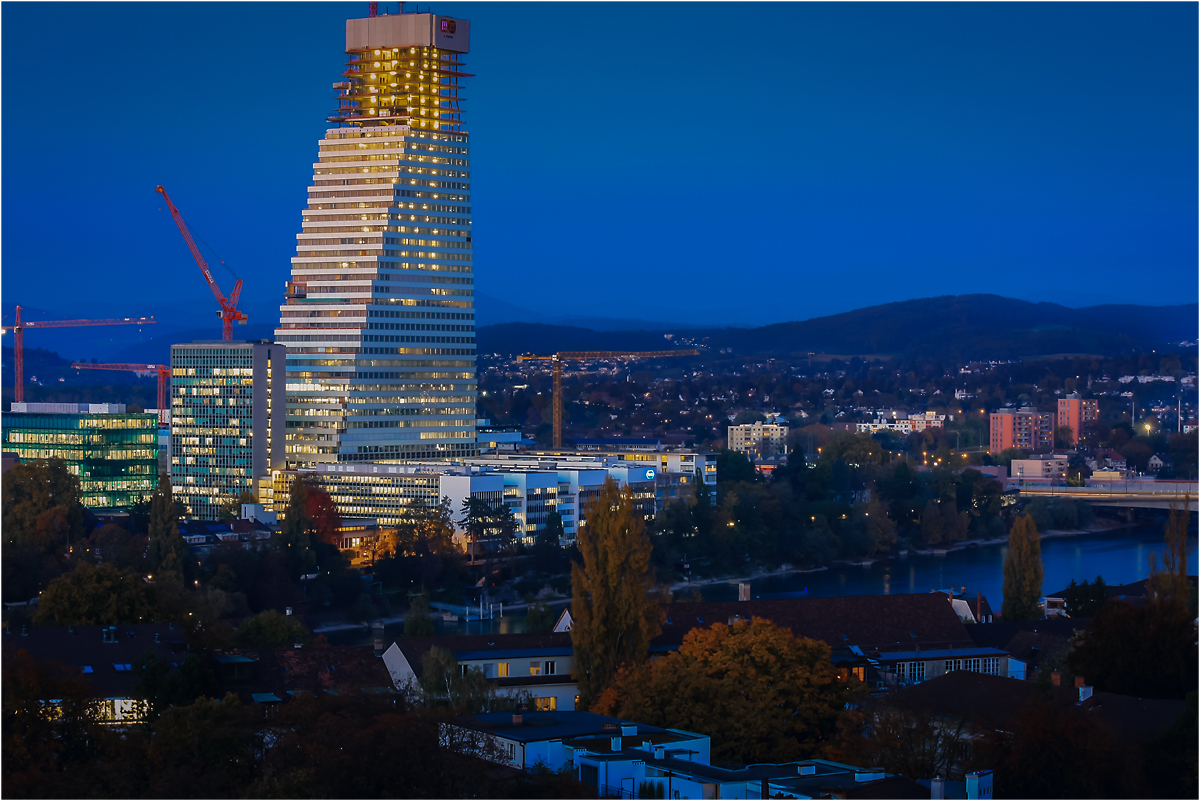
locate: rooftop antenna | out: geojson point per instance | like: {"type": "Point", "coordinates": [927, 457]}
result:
{"type": "Point", "coordinates": [372, 9]}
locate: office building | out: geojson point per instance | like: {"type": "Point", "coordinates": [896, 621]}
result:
{"type": "Point", "coordinates": [226, 424]}
{"type": "Point", "coordinates": [1021, 428]}
{"type": "Point", "coordinates": [379, 316]}
{"type": "Point", "coordinates": [1074, 412]}
{"type": "Point", "coordinates": [758, 439]}
{"type": "Point", "coordinates": [114, 452]}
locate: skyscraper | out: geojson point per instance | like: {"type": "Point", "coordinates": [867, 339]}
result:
{"type": "Point", "coordinates": [225, 429]}
{"type": "Point", "coordinates": [379, 319]}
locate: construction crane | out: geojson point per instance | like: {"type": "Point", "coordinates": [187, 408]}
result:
{"type": "Point", "coordinates": [163, 370]}
{"type": "Point", "coordinates": [18, 329]}
{"type": "Point", "coordinates": [588, 355]}
{"type": "Point", "coordinates": [229, 311]}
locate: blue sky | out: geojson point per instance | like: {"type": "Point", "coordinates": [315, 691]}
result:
{"type": "Point", "coordinates": [680, 162]}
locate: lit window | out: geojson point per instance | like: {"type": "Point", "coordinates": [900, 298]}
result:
{"type": "Point", "coordinates": [502, 670]}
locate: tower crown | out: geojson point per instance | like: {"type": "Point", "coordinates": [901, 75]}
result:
{"type": "Point", "coordinates": [403, 70]}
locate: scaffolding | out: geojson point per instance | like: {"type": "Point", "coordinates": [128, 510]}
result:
{"type": "Point", "coordinates": [414, 86]}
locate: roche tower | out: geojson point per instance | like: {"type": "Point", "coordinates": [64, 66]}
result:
{"type": "Point", "coordinates": [379, 317]}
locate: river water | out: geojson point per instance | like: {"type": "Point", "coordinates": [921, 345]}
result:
{"type": "Point", "coordinates": [1120, 556]}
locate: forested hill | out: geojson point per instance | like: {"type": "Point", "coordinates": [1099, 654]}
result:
{"type": "Point", "coordinates": [955, 327]}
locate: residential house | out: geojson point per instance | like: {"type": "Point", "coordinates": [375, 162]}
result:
{"type": "Point", "coordinates": [625, 759]}
{"type": "Point", "coordinates": [537, 665]}
{"type": "Point", "coordinates": [1035, 644]}
{"type": "Point", "coordinates": [104, 656]}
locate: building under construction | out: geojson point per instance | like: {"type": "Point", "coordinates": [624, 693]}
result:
{"type": "Point", "coordinates": [379, 316]}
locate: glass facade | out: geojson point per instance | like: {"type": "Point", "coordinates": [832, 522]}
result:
{"type": "Point", "coordinates": [379, 319]}
{"type": "Point", "coordinates": [114, 455]}
{"type": "Point", "coordinates": [223, 432]}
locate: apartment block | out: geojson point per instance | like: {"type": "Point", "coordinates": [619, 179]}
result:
{"type": "Point", "coordinates": [113, 452]}
{"type": "Point", "coordinates": [1025, 428]}
{"type": "Point", "coordinates": [758, 439]}
{"type": "Point", "coordinates": [1053, 468]}
{"type": "Point", "coordinates": [226, 422]}
{"type": "Point", "coordinates": [1074, 411]}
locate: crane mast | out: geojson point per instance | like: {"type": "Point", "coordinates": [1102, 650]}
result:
{"type": "Point", "coordinates": [558, 358]}
{"type": "Point", "coordinates": [229, 311]}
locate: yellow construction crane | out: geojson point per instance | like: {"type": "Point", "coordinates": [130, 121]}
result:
{"type": "Point", "coordinates": [588, 355]}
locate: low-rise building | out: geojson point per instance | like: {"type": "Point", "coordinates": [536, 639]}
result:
{"type": "Point", "coordinates": [113, 452]}
{"type": "Point", "coordinates": [1052, 468]}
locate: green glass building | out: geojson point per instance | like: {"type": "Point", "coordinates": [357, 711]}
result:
{"type": "Point", "coordinates": [114, 453]}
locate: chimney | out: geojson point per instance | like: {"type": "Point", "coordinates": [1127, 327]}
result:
{"type": "Point", "coordinates": [647, 745]}
{"type": "Point", "coordinates": [156, 636]}
{"type": "Point", "coordinates": [660, 752]}
{"type": "Point", "coordinates": [979, 606]}
{"type": "Point", "coordinates": [1085, 692]}
{"type": "Point", "coordinates": [1056, 679]}
{"type": "Point", "coordinates": [616, 745]}
{"type": "Point", "coordinates": [743, 591]}
{"type": "Point", "coordinates": [807, 770]}
{"type": "Point", "coordinates": [628, 729]}
{"type": "Point", "coordinates": [378, 646]}
{"type": "Point", "coordinates": [518, 720]}
{"type": "Point", "coordinates": [937, 789]}
{"type": "Point", "coordinates": [1079, 681]}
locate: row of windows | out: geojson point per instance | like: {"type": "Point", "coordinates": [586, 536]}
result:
{"type": "Point", "coordinates": [385, 200]}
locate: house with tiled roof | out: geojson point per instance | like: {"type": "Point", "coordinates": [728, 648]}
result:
{"type": "Point", "coordinates": [103, 655]}
{"type": "Point", "coordinates": [537, 665]}
{"type": "Point", "coordinates": [270, 676]}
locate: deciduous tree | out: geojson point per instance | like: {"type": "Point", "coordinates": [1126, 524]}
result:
{"type": "Point", "coordinates": [166, 546]}
{"type": "Point", "coordinates": [323, 512]}
{"type": "Point", "coordinates": [614, 609]}
{"type": "Point", "coordinates": [761, 693]}
{"type": "Point", "coordinates": [295, 538]}
{"type": "Point", "coordinates": [1022, 571]}
{"type": "Point", "coordinates": [269, 629]}
{"type": "Point", "coordinates": [95, 596]}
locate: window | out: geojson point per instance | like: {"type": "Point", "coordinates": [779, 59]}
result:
{"type": "Point", "coordinates": [502, 670]}
{"type": "Point", "coordinates": [953, 664]}
{"type": "Point", "coordinates": [87, 669]}
{"type": "Point", "coordinates": [577, 702]}
{"type": "Point", "coordinates": [991, 666]}
{"type": "Point", "coordinates": [972, 664]}
{"type": "Point", "coordinates": [860, 673]}
{"type": "Point", "coordinates": [535, 668]}
{"type": "Point", "coordinates": [121, 668]}
{"type": "Point", "coordinates": [549, 667]}
{"type": "Point", "coordinates": [512, 752]}
{"type": "Point", "coordinates": [548, 704]}
{"type": "Point", "coordinates": [915, 671]}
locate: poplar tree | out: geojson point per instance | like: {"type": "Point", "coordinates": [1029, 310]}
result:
{"type": "Point", "coordinates": [166, 545]}
{"type": "Point", "coordinates": [1022, 571]}
{"type": "Point", "coordinates": [613, 609]}
{"type": "Point", "coordinates": [295, 538]}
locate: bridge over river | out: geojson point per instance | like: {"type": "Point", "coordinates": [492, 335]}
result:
{"type": "Point", "coordinates": [1132, 494]}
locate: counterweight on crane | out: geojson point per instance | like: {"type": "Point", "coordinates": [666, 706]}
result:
{"type": "Point", "coordinates": [18, 329]}
{"type": "Point", "coordinates": [163, 371]}
{"type": "Point", "coordinates": [586, 355]}
{"type": "Point", "coordinates": [229, 311]}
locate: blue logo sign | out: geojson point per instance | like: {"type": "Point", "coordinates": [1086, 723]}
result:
{"type": "Point", "coordinates": [650, 474]}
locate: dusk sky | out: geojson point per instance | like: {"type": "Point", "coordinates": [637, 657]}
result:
{"type": "Point", "coordinates": [701, 163]}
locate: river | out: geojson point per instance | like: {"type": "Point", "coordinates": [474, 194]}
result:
{"type": "Point", "coordinates": [1121, 556]}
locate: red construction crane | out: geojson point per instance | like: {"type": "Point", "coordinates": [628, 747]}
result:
{"type": "Point", "coordinates": [18, 328]}
{"type": "Point", "coordinates": [163, 370]}
{"type": "Point", "coordinates": [589, 355]}
{"type": "Point", "coordinates": [229, 311]}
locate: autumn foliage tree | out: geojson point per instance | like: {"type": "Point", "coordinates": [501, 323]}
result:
{"type": "Point", "coordinates": [323, 514]}
{"type": "Point", "coordinates": [760, 692]}
{"type": "Point", "coordinates": [614, 608]}
{"type": "Point", "coordinates": [1022, 571]}
{"type": "Point", "coordinates": [43, 517]}
{"type": "Point", "coordinates": [166, 546]}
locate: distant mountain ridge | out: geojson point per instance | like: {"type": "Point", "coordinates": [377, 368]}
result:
{"type": "Point", "coordinates": [951, 326]}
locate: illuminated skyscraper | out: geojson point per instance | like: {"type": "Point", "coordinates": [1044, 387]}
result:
{"type": "Point", "coordinates": [224, 433]}
{"type": "Point", "coordinates": [380, 317]}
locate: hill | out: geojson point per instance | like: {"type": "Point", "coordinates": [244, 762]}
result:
{"type": "Point", "coordinates": [955, 327]}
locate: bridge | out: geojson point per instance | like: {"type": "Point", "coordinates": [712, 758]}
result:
{"type": "Point", "coordinates": [1131, 494]}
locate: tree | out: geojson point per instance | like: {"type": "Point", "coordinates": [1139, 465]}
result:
{"type": "Point", "coordinates": [540, 618]}
{"type": "Point", "coordinates": [232, 508]}
{"type": "Point", "coordinates": [95, 596]}
{"type": "Point", "coordinates": [1170, 585]}
{"type": "Point", "coordinates": [932, 530]}
{"type": "Point", "coordinates": [295, 537]}
{"type": "Point", "coordinates": [323, 512]}
{"type": "Point", "coordinates": [207, 749]}
{"type": "Point", "coordinates": [444, 683]}
{"type": "Point", "coordinates": [161, 687]}
{"type": "Point", "coordinates": [43, 515]}
{"type": "Point", "coordinates": [417, 620]}
{"type": "Point", "coordinates": [113, 545]}
{"type": "Point", "coordinates": [613, 608]}
{"type": "Point", "coordinates": [881, 531]}
{"type": "Point", "coordinates": [733, 466]}
{"type": "Point", "coordinates": [1022, 571]}
{"type": "Point", "coordinates": [1147, 651]}
{"type": "Point", "coordinates": [903, 737]}
{"type": "Point", "coordinates": [166, 546]}
{"type": "Point", "coordinates": [269, 629]}
{"type": "Point", "coordinates": [1064, 437]}
{"type": "Point", "coordinates": [760, 692]}
{"type": "Point", "coordinates": [1085, 600]}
